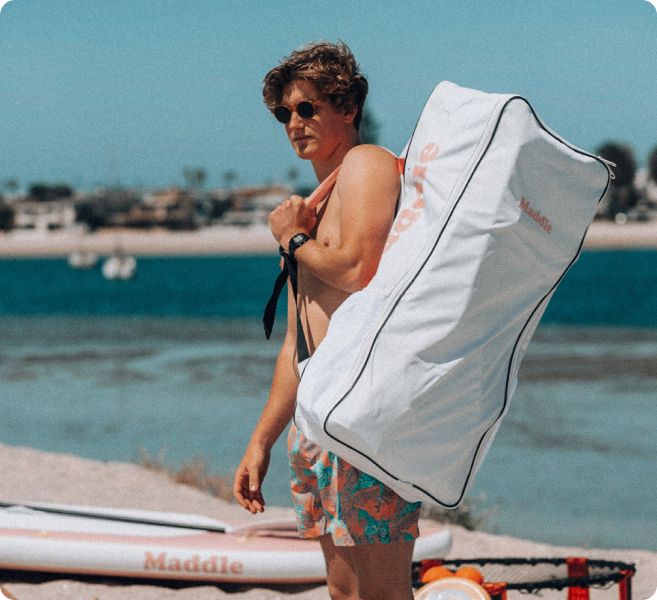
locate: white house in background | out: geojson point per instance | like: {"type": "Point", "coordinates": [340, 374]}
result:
{"type": "Point", "coordinates": [43, 217]}
{"type": "Point", "coordinates": [252, 205]}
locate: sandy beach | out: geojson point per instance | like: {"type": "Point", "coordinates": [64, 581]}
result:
{"type": "Point", "coordinates": [244, 240]}
{"type": "Point", "coordinates": [31, 475]}
{"type": "Point", "coordinates": [204, 242]}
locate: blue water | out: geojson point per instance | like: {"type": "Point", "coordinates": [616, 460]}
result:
{"type": "Point", "coordinates": [236, 286]}
{"type": "Point", "coordinates": [603, 288]}
{"type": "Point", "coordinates": [176, 360]}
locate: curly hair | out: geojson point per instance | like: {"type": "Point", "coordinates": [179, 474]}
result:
{"type": "Point", "coordinates": [332, 69]}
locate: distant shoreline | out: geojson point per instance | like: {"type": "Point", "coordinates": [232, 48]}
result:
{"type": "Point", "coordinates": [233, 240]}
{"type": "Point", "coordinates": [214, 241]}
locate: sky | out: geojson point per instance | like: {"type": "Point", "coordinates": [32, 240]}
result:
{"type": "Point", "coordinates": [130, 92]}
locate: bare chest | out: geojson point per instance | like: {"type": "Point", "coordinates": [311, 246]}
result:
{"type": "Point", "coordinates": [327, 229]}
{"type": "Point", "coordinates": [318, 300]}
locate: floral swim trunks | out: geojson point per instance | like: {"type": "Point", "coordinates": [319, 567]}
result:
{"type": "Point", "coordinates": [332, 496]}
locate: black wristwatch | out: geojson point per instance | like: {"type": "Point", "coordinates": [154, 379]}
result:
{"type": "Point", "coordinates": [296, 241]}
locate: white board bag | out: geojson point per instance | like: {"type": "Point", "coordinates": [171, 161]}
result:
{"type": "Point", "coordinates": [417, 369]}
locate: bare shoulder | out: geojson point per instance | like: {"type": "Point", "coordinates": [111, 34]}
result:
{"type": "Point", "coordinates": [369, 157]}
{"type": "Point", "coordinates": [371, 167]}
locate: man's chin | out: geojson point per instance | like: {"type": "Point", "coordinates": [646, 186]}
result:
{"type": "Point", "coordinates": [305, 148]}
{"type": "Point", "coordinates": [304, 152]}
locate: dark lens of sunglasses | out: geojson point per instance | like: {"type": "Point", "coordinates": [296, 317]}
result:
{"type": "Point", "coordinates": [283, 114]}
{"type": "Point", "coordinates": [305, 110]}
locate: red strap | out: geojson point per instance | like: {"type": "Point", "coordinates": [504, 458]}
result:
{"type": "Point", "coordinates": [625, 585]}
{"type": "Point", "coordinates": [577, 567]}
{"type": "Point", "coordinates": [327, 185]}
{"type": "Point", "coordinates": [322, 189]}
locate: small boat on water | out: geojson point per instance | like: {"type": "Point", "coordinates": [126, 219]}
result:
{"type": "Point", "coordinates": [82, 260]}
{"type": "Point", "coordinates": [119, 266]}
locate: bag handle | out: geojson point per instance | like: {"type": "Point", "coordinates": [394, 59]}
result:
{"type": "Point", "coordinates": [289, 269]}
{"type": "Point", "coordinates": [322, 189]}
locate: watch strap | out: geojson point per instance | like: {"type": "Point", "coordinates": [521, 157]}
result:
{"type": "Point", "coordinates": [296, 241]}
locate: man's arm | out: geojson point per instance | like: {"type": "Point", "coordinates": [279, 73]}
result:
{"type": "Point", "coordinates": [279, 410]}
{"type": "Point", "coordinates": [368, 186]}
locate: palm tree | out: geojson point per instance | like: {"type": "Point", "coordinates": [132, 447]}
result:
{"type": "Point", "coordinates": [11, 184]}
{"type": "Point", "coordinates": [194, 178]}
{"type": "Point", "coordinates": [229, 178]}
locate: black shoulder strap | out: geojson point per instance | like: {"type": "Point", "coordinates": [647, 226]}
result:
{"type": "Point", "coordinates": [289, 270]}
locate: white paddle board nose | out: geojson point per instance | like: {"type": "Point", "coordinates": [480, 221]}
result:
{"type": "Point", "coordinates": [436, 545]}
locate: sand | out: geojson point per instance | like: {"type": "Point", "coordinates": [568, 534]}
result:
{"type": "Point", "coordinates": [204, 242]}
{"type": "Point", "coordinates": [602, 235]}
{"type": "Point", "coordinates": [31, 475]}
{"type": "Point", "coordinates": [606, 235]}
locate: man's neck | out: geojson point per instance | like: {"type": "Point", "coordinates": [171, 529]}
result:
{"type": "Point", "coordinates": [323, 168]}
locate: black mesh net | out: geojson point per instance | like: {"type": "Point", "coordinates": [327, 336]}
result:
{"type": "Point", "coordinates": [530, 574]}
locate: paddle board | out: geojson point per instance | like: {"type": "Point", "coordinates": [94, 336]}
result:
{"type": "Point", "coordinates": [65, 538]}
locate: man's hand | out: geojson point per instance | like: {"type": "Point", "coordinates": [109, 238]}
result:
{"type": "Point", "coordinates": [366, 193]}
{"type": "Point", "coordinates": [247, 485]}
{"type": "Point", "coordinates": [289, 218]}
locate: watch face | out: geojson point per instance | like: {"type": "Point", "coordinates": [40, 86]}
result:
{"type": "Point", "coordinates": [297, 241]}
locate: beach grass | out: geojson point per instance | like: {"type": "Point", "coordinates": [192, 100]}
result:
{"type": "Point", "coordinates": [194, 473]}
{"type": "Point", "coordinates": [465, 514]}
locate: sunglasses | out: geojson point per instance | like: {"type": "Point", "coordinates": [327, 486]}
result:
{"type": "Point", "coordinates": [305, 109]}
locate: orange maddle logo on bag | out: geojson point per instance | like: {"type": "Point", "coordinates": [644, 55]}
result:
{"type": "Point", "coordinates": [408, 216]}
{"type": "Point", "coordinates": [541, 220]}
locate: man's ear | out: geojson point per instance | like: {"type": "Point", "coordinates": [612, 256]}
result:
{"type": "Point", "coordinates": [350, 113]}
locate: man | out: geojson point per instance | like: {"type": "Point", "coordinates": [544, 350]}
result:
{"type": "Point", "coordinates": [366, 531]}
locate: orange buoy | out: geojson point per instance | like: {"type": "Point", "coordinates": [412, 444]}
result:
{"type": "Point", "coordinates": [435, 573]}
{"type": "Point", "coordinates": [470, 573]}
